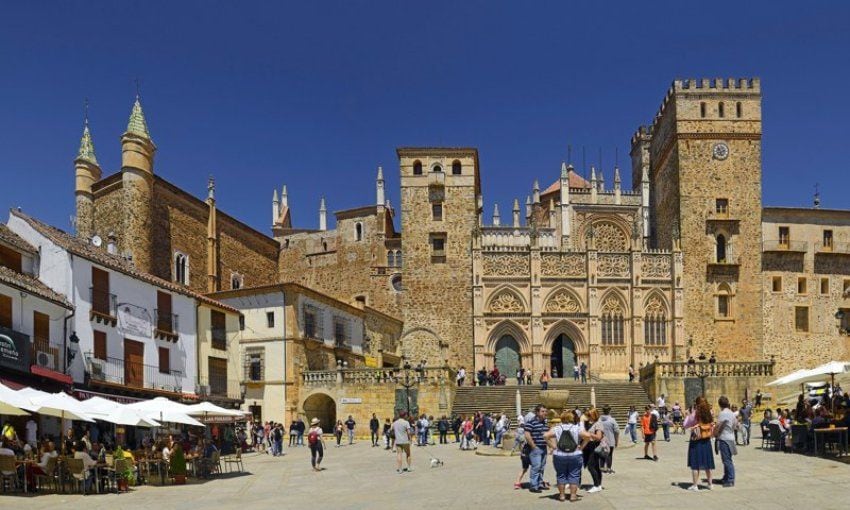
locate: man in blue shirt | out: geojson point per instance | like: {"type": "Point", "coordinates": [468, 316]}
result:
{"type": "Point", "coordinates": [534, 430]}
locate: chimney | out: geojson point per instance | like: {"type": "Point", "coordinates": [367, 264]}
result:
{"type": "Point", "coordinates": [111, 245]}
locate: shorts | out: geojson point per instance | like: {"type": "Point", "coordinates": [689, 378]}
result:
{"type": "Point", "coordinates": [403, 448]}
{"type": "Point", "coordinates": [648, 438]}
{"type": "Point", "coordinates": [525, 460]}
{"type": "Point", "coordinates": [677, 419]}
{"type": "Point", "coordinates": [567, 469]}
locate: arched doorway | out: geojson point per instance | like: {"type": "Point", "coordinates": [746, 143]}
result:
{"type": "Point", "coordinates": [563, 357]}
{"type": "Point", "coordinates": [507, 356]}
{"type": "Point", "coordinates": [323, 407]}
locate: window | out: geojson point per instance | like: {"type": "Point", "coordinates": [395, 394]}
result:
{"type": "Point", "coordinates": [358, 231]}
{"type": "Point", "coordinates": [720, 110]}
{"type": "Point", "coordinates": [270, 319]}
{"type": "Point", "coordinates": [824, 285]}
{"type": "Point", "coordinates": [702, 110]}
{"type": "Point", "coordinates": [801, 285]}
{"type": "Point", "coordinates": [612, 328]}
{"type": "Point", "coordinates": [844, 326]}
{"type": "Point", "coordinates": [236, 281]}
{"type": "Point", "coordinates": [777, 284]}
{"type": "Point", "coordinates": [254, 361]}
{"type": "Point", "coordinates": [655, 324]}
{"type": "Point", "coordinates": [457, 168]}
{"type": "Point", "coordinates": [181, 268]}
{"type": "Point", "coordinates": [313, 322]}
{"type": "Point", "coordinates": [398, 258]}
{"type": "Point", "coordinates": [784, 236]}
{"type": "Point", "coordinates": [5, 311]}
{"type": "Point", "coordinates": [739, 109]}
{"type": "Point", "coordinates": [827, 239]}
{"type": "Point", "coordinates": [417, 167]}
{"type": "Point", "coordinates": [721, 248]}
{"type": "Point", "coordinates": [100, 298]}
{"type": "Point", "coordinates": [395, 282]}
{"type": "Point", "coordinates": [723, 306]}
{"type": "Point", "coordinates": [41, 330]}
{"type": "Point", "coordinates": [801, 319]}
{"type": "Point", "coordinates": [324, 246]}
{"type": "Point", "coordinates": [100, 344]}
{"type": "Point", "coordinates": [165, 320]}
{"type": "Point", "coordinates": [164, 360]}
{"type": "Point", "coordinates": [11, 259]}
{"type": "Point", "coordinates": [217, 376]}
{"type": "Point", "coordinates": [721, 206]}
{"type": "Point", "coordinates": [437, 168]}
{"type": "Point", "coordinates": [391, 258]}
{"type": "Point", "coordinates": [437, 212]}
{"type": "Point", "coordinates": [846, 288]}
{"type": "Point", "coordinates": [341, 334]}
{"type": "Point", "coordinates": [241, 322]}
{"type": "Point", "coordinates": [438, 248]}
{"type": "Point", "coordinates": [218, 323]}
{"type": "Point", "coordinates": [360, 299]}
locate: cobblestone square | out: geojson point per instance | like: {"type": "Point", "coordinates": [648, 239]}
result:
{"type": "Point", "coordinates": [362, 477]}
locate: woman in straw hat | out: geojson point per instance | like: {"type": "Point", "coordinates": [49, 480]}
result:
{"type": "Point", "coordinates": [317, 447]}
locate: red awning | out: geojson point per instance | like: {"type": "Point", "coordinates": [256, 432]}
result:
{"type": "Point", "coordinates": [12, 384]}
{"type": "Point", "coordinates": [123, 399]}
{"type": "Point", "coordinates": [50, 374]}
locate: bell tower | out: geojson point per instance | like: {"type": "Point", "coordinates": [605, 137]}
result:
{"type": "Point", "coordinates": [137, 153]}
{"type": "Point", "coordinates": [87, 173]}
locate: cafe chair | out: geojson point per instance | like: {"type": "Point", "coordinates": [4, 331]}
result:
{"type": "Point", "coordinates": [8, 471]}
{"type": "Point", "coordinates": [78, 473]}
{"type": "Point", "coordinates": [776, 439]}
{"type": "Point", "coordinates": [234, 460]}
{"type": "Point", "coordinates": [50, 475]}
{"type": "Point", "coordinates": [215, 463]}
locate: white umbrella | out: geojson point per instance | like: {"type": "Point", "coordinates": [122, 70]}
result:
{"type": "Point", "coordinates": [133, 417]}
{"type": "Point", "coordinates": [162, 409]}
{"type": "Point", "coordinates": [789, 378]}
{"type": "Point", "coordinates": [61, 405]}
{"type": "Point", "coordinates": [11, 403]}
{"type": "Point", "coordinates": [210, 409]}
{"type": "Point", "coordinates": [830, 369]}
{"type": "Point", "coordinates": [99, 406]}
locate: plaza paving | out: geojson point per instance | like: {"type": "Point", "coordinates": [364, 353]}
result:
{"type": "Point", "coordinates": [362, 477]}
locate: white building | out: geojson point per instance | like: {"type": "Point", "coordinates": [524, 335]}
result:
{"type": "Point", "coordinates": [133, 334]}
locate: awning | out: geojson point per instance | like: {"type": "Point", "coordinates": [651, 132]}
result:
{"type": "Point", "coordinates": [51, 374]}
{"type": "Point", "coordinates": [86, 394]}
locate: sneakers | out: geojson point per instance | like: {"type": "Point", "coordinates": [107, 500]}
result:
{"type": "Point", "coordinates": [694, 488]}
{"type": "Point", "coordinates": [517, 486]}
{"type": "Point", "coordinates": [729, 484]}
{"type": "Point", "coordinates": [647, 457]}
{"type": "Point", "coordinates": [709, 487]}
{"type": "Point", "coordinates": [399, 471]}
{"type": "Point", "coordinates": [655, 458]}
{"type": "Point", "coordinates": [595, 488]}
{"type": "Point", "coordinates": [410, 469]}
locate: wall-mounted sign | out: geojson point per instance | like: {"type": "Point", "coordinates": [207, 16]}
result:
{"type": "Point", "coordinates": [351, 400]}
{"type": "Point", "coordinates": [14, 350]}
{"type": "Point", "coordinates": [134, 320]}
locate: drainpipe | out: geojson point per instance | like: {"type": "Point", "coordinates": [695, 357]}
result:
{"type": "Point", "coordinates": [65, 322]}
{"type": "Point", "coordinates": [197, 347]}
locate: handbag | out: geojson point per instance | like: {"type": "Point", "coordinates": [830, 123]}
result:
{"type": "Point", "coordinates": [602, 449]}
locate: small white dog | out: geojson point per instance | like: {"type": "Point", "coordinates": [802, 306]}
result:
{"type": "Point", "coordinates": [436, 463]}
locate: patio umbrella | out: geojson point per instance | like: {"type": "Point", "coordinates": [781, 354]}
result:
{"type": "Point", "coordinates": [210, 409]}
{"type": "Point", "coordinates": [60, 405]}
{"type": "Point", "coordinates": [830, 369]}
{"type": "Point", "coordinates": [133, 417]}
{"type": "Point", "coordinates": [11, 403]}
{"type": "Point", "coordinates": [99, 406]}
{"type": "Point", "coordinates": [162, 409]}
{"type": "Point", "coordinates": [789, 378]}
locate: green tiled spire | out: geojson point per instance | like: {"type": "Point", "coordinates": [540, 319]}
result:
{"type": "Point", "coordinates": [86, 151]}
{"type": "Point", "coordinates": [137, 124]}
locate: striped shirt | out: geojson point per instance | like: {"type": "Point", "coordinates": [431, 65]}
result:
{"type": "Point", "coordinates": [537, 428]}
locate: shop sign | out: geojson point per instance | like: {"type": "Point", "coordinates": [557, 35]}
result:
{"type": "Point", "coordinates": [14, 350]}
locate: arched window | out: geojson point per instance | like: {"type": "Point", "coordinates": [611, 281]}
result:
{"type": "Point", "coordinates": [398, 258]}
{"type": "Point", "coordinates": [395, 283]}
{"type": "Point", "coordinates": [739, 109]}
{"type": "Point", "coordinates": [721, 248]}
{"type": "Point", "coordinates": [702, 110]}
{"type": "Point", "coordinates": [437, 168]}
{"type": "Point", "coordinates": [417, 167]}
{"type": "Point", "coordinates": [391, 258]}
{"type": "Point", "coordinates": [236, 281]}
{"type": "Point", "coordinates": [457, 168]}
{"type": "Point", "coordinates": [612, 322]}
{"type": "Point", "coordinates": [358, 231]}
{"type": "Point", "coordinates": [720, 110]}
{"type": "Point", "coordinates": [181, 268]}
{"type": "Point", "coordinates": [655, 322]}
{"type": "Point", "coordinates": [324, 246]}
{"type": "Point", "coordinates": [724, 302]}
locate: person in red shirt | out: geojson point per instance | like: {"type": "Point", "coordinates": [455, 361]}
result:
{"type": "Point", "coordinates": [649, 426]}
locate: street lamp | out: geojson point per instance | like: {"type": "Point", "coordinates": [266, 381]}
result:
{"type": "Point", "coordinates": [408, 383]}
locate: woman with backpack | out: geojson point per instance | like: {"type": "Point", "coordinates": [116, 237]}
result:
{"type": "Point", "coordinates": [566, 441]}
{"type": "Point", "coordinates": [700, 423]}
{"type": "Point", "coordinates": [317, 447]}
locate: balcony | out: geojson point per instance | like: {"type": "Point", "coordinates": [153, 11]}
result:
{"type": "Point", "coordinates": [722, 216]}
{"type": "Point", "coordinates": [166, 326]}
{"type": "Point", "coordinates": [104, 306]}
{"type": "Point", "coordinates": [785, 246]}
{"type": "Point", "coordinates": [727, 262]}
{"type": "Point", "coordinates": [48, 355]}
{"type": "Point", "coordinates": [115, 372]}
{"type": "Point", "coordinates": [218, 387]}
{"type": "Point", "coordinates": [832, 248]}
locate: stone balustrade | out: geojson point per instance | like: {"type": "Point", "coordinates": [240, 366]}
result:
{"type": "Point", "coordinates": [682, 369]}
{"type": "Point", "coordinates": [344, 376]}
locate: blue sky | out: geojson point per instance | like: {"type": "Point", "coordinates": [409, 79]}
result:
{"type": "Point", "coordinates": [317, 94]}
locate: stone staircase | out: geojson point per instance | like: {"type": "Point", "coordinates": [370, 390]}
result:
{"type": "Point", "coordinates": [502, 399]}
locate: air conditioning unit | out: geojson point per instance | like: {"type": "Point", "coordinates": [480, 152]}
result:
{"type": "Point", "coordinates": [45, 359]}
{"type": "Point", "coordinates": [203, 390]}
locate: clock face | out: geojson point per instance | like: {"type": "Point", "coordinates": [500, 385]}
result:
{"type": "Point", "coordinates": [720, 151]}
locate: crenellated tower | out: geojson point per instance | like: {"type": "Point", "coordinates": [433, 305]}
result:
{"type": "Point", "coordinates": [137, 153]}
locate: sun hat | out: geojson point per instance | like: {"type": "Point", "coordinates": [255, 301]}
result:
{"type": "Point", "coordinates": [314, 421]}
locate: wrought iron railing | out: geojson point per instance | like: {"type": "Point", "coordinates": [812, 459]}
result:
{"type": "Point", "coordinates": [102, 302]}
{"type": "Point", "coordinates": [218, 386]}
{"type": "Point", "coordinates": [132, 374]}
{"type": "Point", "coordinates": [166, 321]}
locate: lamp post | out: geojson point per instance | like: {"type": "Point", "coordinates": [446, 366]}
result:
{"type": "Point", "coordinates": [408, 383]}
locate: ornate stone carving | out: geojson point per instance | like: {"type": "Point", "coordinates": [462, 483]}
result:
{"type": "Point", "coordinates": [562, 264]}
{"type": "Point", "coordinates": [562, 302]}
{"type": "Point", "coordinates": [609, 237]}
{"type": "Point", "coordinates": [506, 302]}
{"type": "Point", "coordinates": [656, 266]}
{"type": "Point", "coordinates": [654, 307]}
{"type": "Point", "coordinates": [613, 266]}
{"type": "Point", "coordinates": [612, 306]}
{"type": "Point", "coordinates": [507, 264]}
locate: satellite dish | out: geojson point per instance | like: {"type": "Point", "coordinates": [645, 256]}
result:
{"type": "Point", "coordinates": [97, 241]}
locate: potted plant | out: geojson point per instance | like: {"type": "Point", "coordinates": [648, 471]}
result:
{"type": "Point", "coordinates": [125, 477]}
{"type": "Point", "coordinates": [178, 465]}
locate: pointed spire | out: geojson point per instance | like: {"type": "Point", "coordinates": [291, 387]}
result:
{"type": "Point", "coordinates": [211, 188]}
{"type": "Point", "coordinates": [536, 191]}
{"type": "Point", "coordinates": [323, 215]}
{"type": "Point", "coordinates": [516, 212]}
{"type": "Point", "coordinates": [380, 174]}
{"type": "Point", "coordinates": [284, 197]}
{"type": "Point", "coordinates": [617, 175]}
{"type": "Point", "coordinates": [601, 181]}
{"type": "Point", "coordinates": [565, 174]}
{"type": "Point", "coordinates": [496, 219]}
{"type": "Point", "coordinates": [275, 200]}
{"type": "Point", "coordinates": [86, 151]}
{"type": "Point", "coordinates": [380, 198]}
{"type": "Point", "coordinates": [593, 176]}
{"type": "Point", "coordinates": [275, 208]}
{"type": "Point", "coordinates": [137, 124]}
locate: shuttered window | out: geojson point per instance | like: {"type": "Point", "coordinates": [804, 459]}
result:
{"type": "Point", "coordinates": [164, 360]}
{"type": "Point", "coordinates": [5, 311]}
{"type": "Point", "coordinates": [100, 344]}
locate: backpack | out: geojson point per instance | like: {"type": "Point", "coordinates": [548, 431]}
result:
{"type": "Point", "coordinates": [313, 438]}
{"type": "Point", "coordinates": [567, 443]}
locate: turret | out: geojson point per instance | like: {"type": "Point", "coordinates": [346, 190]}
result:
{"type": "Point", "coordinates": [644, 201]}
{"type": "Point", "coordinates": [536, 192]}
{"type": "Point", "coordinates": [87, 173]}
{"type": "Point", "coordinates": [323, 215]}
{"type": "Point", "coordinates": [594, 185]}
{"type": "Point", "coordinates": [516, 213]}
{"type": "Point", "coordinates": [565, 204]}
{"type": "Point", "coordinates": [528, 209]}
{"type": "Point", "coordinates": [617, 190]}
{"type": "Point", "coordinates": [380, 199]}
{"type": "Point", "coordinates": [275, 207]}
{"type": "Point", "coordinates": [496, 220]}
{"type": "Point", "coordinates": [284, 197]}
{"type": "Point", "coordinates": [137, 152]}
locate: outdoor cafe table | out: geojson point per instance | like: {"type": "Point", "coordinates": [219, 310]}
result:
{"type": "Point", "coordinates": [842, 434]}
